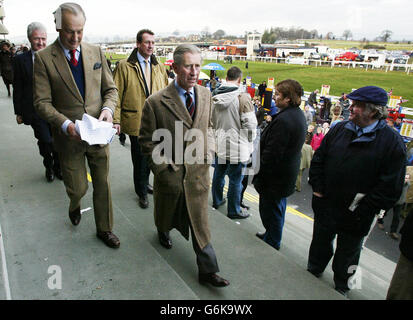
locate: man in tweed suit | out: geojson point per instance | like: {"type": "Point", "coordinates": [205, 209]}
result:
{"type": "Point", "coordinates": [72, 78]}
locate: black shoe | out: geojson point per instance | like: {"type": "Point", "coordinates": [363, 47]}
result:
{"type": "Point", "coordinates": [243, 205]}
{"type": "Point", "coordinates": [315, 274]}
{"type": "Point", "coordinates": [150, 189]}
{"type": "Point", "coordinates": [216, 206]}
{"type": "Point", "coordinates": [122, 138]}
{"type": "Point", "coordinates": [212, 279]}
{"type": "Point", "coordinates": [260, 235]}
{"type": "Point", "coordinates": [164, 239]}
{"type": "Point", "coordinates": [75, 216]}
{"type": "Point", "coordinates": [342, 292]}
{"type": "Point", "coordinates": [143, 202]}
{"type": "Point", "coordinates": [49, 174]}
{"type": "Point", "coordinates": [240, 215]}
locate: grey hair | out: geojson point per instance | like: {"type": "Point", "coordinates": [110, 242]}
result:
{"type": "Point", "coordinates": [71, 7]}
{"type": "Point", "coordinates": [381, 111]}
{"type": "Point", "coordinates": [35, 26]}
{"type": "Point", "coordinates": [182, 49]}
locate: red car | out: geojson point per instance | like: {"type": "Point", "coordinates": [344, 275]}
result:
{"type": "Point", "coordinates": [348, 56]}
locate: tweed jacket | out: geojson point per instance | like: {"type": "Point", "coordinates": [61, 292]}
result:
{"type": "Point", "coordinates": [56, 95]}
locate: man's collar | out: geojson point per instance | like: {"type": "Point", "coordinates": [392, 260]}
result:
{"type": "Point", "coordinates": [181, 90]}
{"type": "Point", "coordinates": [141, 58]}
{"type": "Point", "coordinates": [368, 128]}
{"type": "Point", "coordinates": [63, 47]}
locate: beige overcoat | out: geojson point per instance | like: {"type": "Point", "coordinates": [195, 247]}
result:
{"type": "Point", "coordinates": [180, 189]}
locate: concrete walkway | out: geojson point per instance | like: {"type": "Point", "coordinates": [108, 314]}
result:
{"type": "Point", "coordinates": [38, 243]}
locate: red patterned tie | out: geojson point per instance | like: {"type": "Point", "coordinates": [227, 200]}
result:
{"type": "Point", "coordinates": [73, 59]}
{"type": "Point", "coordinates": [190, 104]}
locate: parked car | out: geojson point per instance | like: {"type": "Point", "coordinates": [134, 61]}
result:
{"type": "Point", "coordinates": [359, 58]}
{"type": "Point", "coordinates": [348, 56]}
{"type": "Point", "coordinates": [400, 61]}
{"type": "Point", "coordinates": [315, 56]}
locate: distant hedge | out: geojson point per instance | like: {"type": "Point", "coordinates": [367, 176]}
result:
{"type": "Point", "coordinates": [373, 46]}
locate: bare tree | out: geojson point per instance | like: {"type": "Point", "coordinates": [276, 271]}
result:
{"type": "Point", "coordinates": [314, 34]}
{"type": "Point", "coordinates": [218, 34]}
{"type": "Point", "coordinates": [205, 33]}
{"type": "Point", "coordinates": [386, 35]}
{"type": "Point", "coordinates": [347, 34]}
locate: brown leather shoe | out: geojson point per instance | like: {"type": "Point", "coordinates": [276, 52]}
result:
{"type": "Point", "coordinates": [213, 279]}
{"type": "Point", "coordinates": [108, 238]}
{"type": "Point", "coordinates": [75, 216]}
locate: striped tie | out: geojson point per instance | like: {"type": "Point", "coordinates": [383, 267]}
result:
{"type": "Point", "coordinates": [190, 105]}
{"type": "Point", "coordinates": [73, 59]}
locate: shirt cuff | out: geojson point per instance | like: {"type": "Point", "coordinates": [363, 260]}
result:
{"type": "Point", "coordinates": [107, 108]}
{"type": "Point", "coordinates": [65, 125]}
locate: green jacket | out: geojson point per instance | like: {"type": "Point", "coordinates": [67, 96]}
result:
{"type": "Point", "coordinates": [133, 91]}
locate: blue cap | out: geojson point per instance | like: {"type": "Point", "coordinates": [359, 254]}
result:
{"type": "Point", "coordinates": [370, 94]}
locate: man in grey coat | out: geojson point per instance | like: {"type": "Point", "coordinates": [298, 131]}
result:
{"type": "Point", "coordinates": [176, 124]}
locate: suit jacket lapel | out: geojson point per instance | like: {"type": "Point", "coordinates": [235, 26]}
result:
{"type": "Point", "coordinates": [173, 103]}
{"type": "Point", "coordinates": [133, 60]}
{"type": "Point", "coordinates": [200, 101]}
{"type": "Point", "coordinates": [87, 59]}
{"type": "Point", "coordinates": [28, 64]}
{"type": "Point", "coordinates": [63, 69]}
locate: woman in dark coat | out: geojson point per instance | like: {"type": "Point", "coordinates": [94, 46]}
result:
{"type": "Point", "coordinates": [6, 65]}
{"type": "Point", "coordinates": [280, 156]}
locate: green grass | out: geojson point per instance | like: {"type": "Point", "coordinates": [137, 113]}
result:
{"type": "Point", "coordinates": [311, 78]}
{"type": "Point", "coordinates": [339, 79]}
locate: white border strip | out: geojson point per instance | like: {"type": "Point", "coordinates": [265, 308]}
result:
{"type": "Point", "coordinates": [4, 267]}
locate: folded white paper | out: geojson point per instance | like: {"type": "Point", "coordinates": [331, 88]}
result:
{"type": "Point", "coordinates": [356, 201]}
{"type": "Point", "coordinates": [94, 131]}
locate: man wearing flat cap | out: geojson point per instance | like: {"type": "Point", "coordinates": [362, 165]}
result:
{"type": "Point", "coordinates": [357, 171]}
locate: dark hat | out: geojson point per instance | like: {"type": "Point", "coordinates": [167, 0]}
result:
{"type": "Point", "coordinates": [5, 41]}
{"type": "Point", "coordinates": [370, 94]}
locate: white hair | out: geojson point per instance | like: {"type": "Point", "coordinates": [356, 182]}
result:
{"type": "Point", "coordinates": [71, 7]}
{"type": "Point", "coordinates": [381, 110]}
{"type": "Point", "coordinates": [179, 52]}
{"type": "Point", "coordinates": [35, 26]}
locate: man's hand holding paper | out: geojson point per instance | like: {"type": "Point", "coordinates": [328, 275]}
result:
{"type": "Point", "coordinates": [94, 131]}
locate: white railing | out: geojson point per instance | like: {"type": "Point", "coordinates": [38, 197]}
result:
{"type": "Point", "coordinates": [317, 62]}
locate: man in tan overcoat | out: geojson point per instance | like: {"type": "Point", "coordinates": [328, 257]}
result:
{"type": "Point", "coordinates": [72, 78]}
{"type": "Point", "coordinates": [175, 127]}
{"type": "Point", "coordinates": [136, 79]}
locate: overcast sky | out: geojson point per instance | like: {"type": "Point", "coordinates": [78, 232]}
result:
{"type": "Point", "coordinates": [365, 18]}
